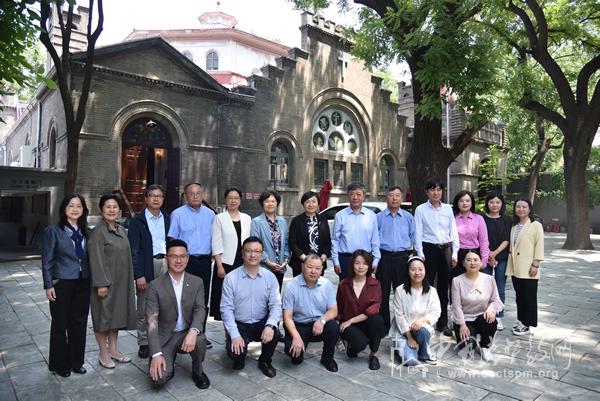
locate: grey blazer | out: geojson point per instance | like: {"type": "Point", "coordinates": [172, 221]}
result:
{"type": "Point", "coordinates": [161, 308]}
{"type": "Point", "coordinates": [59, 259]}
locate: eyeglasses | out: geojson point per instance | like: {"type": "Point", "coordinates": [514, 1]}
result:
{"type": "Point", "coordinates": [253, 251]}
{"type": "Point", "coordinates": [194, 194]}
{"type": "Point", "coordinates": [156, 196]}
{"type": "Point", "coordinates": [178, 258]}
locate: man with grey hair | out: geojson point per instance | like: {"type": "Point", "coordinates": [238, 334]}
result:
{"type": "Point", "coordinates": [354, 227]}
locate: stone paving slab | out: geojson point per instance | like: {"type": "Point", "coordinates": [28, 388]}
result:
{"type": "Point", "coordinates": [560, 361]}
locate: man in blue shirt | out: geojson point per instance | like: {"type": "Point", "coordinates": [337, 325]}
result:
{"type": "Point", "coordinates": [192, 223]}
{"type": "Point", "coordinates": [309, 312]}
{"type": "Point", "coordinates": [250, 308]}
{"type": "Point", "coordinates": [354, 227]}
{"type": "Point", "coordinates": [147, 235]}
{"type": "Point", "coordinates": [396, 240]}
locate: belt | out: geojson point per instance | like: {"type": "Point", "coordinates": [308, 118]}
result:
{"type": "Point", "coordinates": [159, 256]}
{"type": "Point", "coordinates": [344, 254]}
{"type": "Point", "coordinates": [396, 253]}
{"type": "Point", "coordinates": [198, 256]}
{"type": "Point", "coordinates": [439, 246]}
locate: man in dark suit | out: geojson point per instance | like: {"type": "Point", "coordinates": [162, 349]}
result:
{"type": "Point", "coordinates": [147, 238]}
{"type": "Point", "coordinates": [175, 312]}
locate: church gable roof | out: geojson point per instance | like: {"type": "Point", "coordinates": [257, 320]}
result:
{"type": "Point", "coordinates": [153, 58]}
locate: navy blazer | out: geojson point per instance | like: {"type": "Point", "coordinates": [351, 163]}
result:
{"type": "Point", "coordinates": [140, 241]}
{"type": "Point", "coordinates": [59, 258]}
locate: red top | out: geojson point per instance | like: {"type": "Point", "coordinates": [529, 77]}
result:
{"type": "Point", "coordinates": [368, 302]}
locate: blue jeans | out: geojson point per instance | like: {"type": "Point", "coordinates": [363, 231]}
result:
{"type": "Point", "coordinates": [410, 356]}
{"type": "Point", "coordinates": [500, 276]}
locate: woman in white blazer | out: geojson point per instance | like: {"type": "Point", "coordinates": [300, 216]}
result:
{"type": "Point", "coordinates": [230, 229]}
{"type": "Point", "coordinates": [526, 254]}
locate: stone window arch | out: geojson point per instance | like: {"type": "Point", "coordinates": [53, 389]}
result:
{"type": "Point", "coordinates": [386, 172]}
{"type": "Point", "coordinates": [281, 162]}
{"type": "Point", "coordinates": [212, 61]}
{"type": "Point", "coordinates": [335, 131]}
{"type": "Point", "coordinates": [52, 148]}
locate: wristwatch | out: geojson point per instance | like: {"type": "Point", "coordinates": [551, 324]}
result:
{"type": "Point", "coordinates": [272, 326]}
{"type": "Point", "coordinates": [323, 321]}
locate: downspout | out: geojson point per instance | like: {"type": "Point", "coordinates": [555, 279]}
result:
{"type": "Point", "coordinates": [38, 151]}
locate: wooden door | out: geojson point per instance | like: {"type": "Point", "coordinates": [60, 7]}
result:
{"type": "Point", "coordinates": [133, 176]}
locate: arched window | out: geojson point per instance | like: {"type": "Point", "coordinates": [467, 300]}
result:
{"type": "Point", "coordinates": [212, 61]}
{"type": "Point", "coordinates": [188, 54]}
{"type": "Point", "coordinates": [280, 163]}
{"type": "Point", "coordinates": [52, 149]}
{"type": "Point", "coordinates": [386, 173]}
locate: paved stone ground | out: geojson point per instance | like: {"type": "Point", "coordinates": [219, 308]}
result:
{"type": "Point", "coordinates": [561, 361]}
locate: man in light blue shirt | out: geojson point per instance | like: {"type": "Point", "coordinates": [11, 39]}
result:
{"type": "Point", "coordinates": [354, 227]}
{"type": "Point", "coordinates": [309, 312]}
{"type": "Point", "coordinates": [251, 308]}
{"type": "Point", "coordinates": [396, 238]}
{"type": "Point", "coordinates": [192, 223]}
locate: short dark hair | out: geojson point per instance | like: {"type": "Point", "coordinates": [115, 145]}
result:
{"type": "Point", "coordinates": [457, 198]}
{"type": "Point", "coordinates": [434, 182]}
{"type": "Point", "coordinates": [153, 187]}
{"type": "Point", "coordinates": [475, 251]}
{"type": "Point", "coordinates": [106, 197]}
{"type": "Point", "coordinates": [266, 194]}
{"type": "Point", "coordinates": [368, 260]}
{"type": "Point", "coordinates": [232, 189]}
{"type": "Point", "coordinates": [81, 221]}
{"type": "Point", "coordinates": [515, 217]}
{"type": "Point", "coordinates": [491, 196]}
{"type": "Point", "coordinates": [425, 284]}
{"type": "Point", "coordinates": [252, 239]}
{"type": "Point", "coordinates": [395, 187]}
{"type": "Point", "coordinates": [355, 185]}
{"type": "Point", "coordinates": [190, 184]}
{"type": "Point", "coordinates": [176, 242]}
{"type": "Point", "coordinates": [307, 195]}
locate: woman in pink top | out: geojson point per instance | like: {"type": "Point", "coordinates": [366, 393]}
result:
{"type": "Point", "coordinates": [472, 231]}
{"type": "Point", "coordinates": [475, 303]}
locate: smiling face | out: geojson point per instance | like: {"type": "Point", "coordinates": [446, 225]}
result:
{"type": "Point", "coordinates": [434, 194]}
{"type": "Point", "coordinates": [194, 194]}
{"type": "Point", "coordinates": [465, 203]}
{"type": "Point", "coordinates": [522, 210]}
{"type": "Point", "coordinates": [472, 262]}
{"type": "Point", "coordinates": [270, 205]}
{"type": "Point", "coordinates": [252, 254]}
{"type": "Point", "coordinates": [311, 269]}
{"type": "Point", "coordinates": [416, 272]}
{"type": "Point", "coordinates": [394, 199]}
{"type": "Point", "coordinates": [360, 267]}
{"type": "Point", "coordinates": [177, 259]}
{"type": "Point", "coordinates": [74, 210]}
{"type": "Point", "coordinates": [311, 206]}
{"type": "Point", "coordinates": [356, 197]}
{"type": "Point", "coordinates": [110, 210]}
{"type": "Point", "coordinates": [494, 205]}
{"type": "Point", "coordinates": [233, 200]}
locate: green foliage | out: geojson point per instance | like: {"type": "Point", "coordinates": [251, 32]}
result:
{"type": "Point", "coordinates": [389, 83]}
{"type": "Point", "coordinates": [492, 173]}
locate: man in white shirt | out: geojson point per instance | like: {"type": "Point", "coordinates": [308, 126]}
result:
{"type": "Point", "coordinates": [436, 240]}
{"type": "Point", "coordinates": [175, 312]}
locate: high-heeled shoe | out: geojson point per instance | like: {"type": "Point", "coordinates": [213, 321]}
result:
{"type": "Point", "coordinates": [107, 365]}
{"type": "Point", "coordinates": [120, 359]}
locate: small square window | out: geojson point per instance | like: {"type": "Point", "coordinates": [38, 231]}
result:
{"type": "Point", "coordinates": [339, 174]}
{"type": "Point", "coordinates": [356, 172]}
{"type": "Point", "coordinates": [321, 171]}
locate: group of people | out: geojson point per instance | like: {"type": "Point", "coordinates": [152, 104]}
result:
{"type": "Point", "coordinates": [158, 277]}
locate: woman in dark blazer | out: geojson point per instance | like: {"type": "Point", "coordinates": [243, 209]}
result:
{"type": "Point", "coordinates": [67, 283]}
{"type": "Point", "coordinates": [309, 233]}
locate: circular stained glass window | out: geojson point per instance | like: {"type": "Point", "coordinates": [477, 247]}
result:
{"type": "Point", "coordinates": [319, 140]}
{"type": "Point", "coordinates": [334, 131]}
{"type": "Point", "coordinates": [352, 146]}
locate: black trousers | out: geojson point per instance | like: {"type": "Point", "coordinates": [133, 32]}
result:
{"type": "Point", "coordinates": [69, 322]}
{"type": "Point", "coordinates": [438, 262]}
{"type": "Point", "coordinates": [199, 266]}
{"type": "Point", "coordinates": [370, 332]}
{"type": "Point", "coordinates": [329, 336]}
{"type": "Point", "coordinates": [252, 332]}
{"type": "Point", "coordinates": [526, 299]}
{"type": "Point", "coordinates": [344, 259]}
{"type": "Point", "coordinates": [391, 272]}
{"type": "Point", "coordinates": [479, 326]}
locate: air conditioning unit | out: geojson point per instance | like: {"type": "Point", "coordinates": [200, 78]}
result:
{"type": "Point", "coordinates": [26, 156]}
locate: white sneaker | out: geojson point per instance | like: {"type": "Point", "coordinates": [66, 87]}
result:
{"type": "Point", "coordinates": [521, 331]}
{"type": "Point", "coordinates": [500, 326]}
{"type": "Point", "coordinates": [486, 354]}
{"type": "Point", "coordinates": [517, 326]}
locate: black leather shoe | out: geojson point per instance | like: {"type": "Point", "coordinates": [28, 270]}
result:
{"type": "Point", "coordinates": [80, 370]}
{"type": "Point", "coordinates": [143, 351]}
{"type": "Point", "coordinates": [447, 332]}
{"type": "Point", "coordinates": [351, 353]}
{"type": "Point", "coordinates": [330, 366]}
{"type": "Point", "coordinates": [298, 360]}
{"type": "Point", "coordinates": [208, 344]}
{"type": "Point", "coordinates": [267, 369]}
{"type": "Point", "coordinates": [374, 363]}
{"type": "Point", "coordinates": [281, 338]}
{"type": "Point", "coordinates": [202, 381]}
{"type": "Point", "coordinates": [66, 373]}
{"type": "Point", "coordinates": [239, 365]}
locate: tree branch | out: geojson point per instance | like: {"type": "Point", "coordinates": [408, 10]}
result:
{"type": "Point", "coordinates": [583, 80]}
{"type": "Point", "coordinates": [464, 139]}
{"type": "Point", "coordinates": [529, 28]}
{"type": "Point", "coordinates": [545, 113]}
{"type": "Point", "coordinates": [542, 24]}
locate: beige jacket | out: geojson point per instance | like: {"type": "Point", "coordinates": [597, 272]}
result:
{"type": "Point", "coordinates": [528, 247]}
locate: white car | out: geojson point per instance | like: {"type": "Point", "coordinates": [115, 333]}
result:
{"type": "Point", "coordinates": [376, 207]}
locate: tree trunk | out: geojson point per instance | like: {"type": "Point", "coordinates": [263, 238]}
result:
{"type": "Point", "coordinates": [72, 160]}
{"type": "Point", "coordinates": [576, 155]}
{"type": "Point", "coordinates": [542, 148]}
